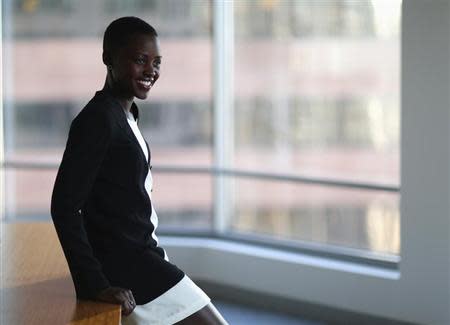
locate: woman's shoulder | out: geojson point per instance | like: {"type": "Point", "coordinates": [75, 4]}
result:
{"type": "Point", "coordinates": [100, 107]}
{"type": "Point", "coordinates": [97, 113]}
{"type": "Point", "coordinates": [101, 104]}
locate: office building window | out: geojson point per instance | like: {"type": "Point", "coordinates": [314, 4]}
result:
{"type": "Point", "coordinates": [316, 97]}
{"type": "Point", "coordinates": [315, 113]}
{"type": "Point", "coordinates": [51, 72]}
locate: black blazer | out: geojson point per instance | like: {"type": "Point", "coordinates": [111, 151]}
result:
{"type": "Point", "coordinates": [101, 210]}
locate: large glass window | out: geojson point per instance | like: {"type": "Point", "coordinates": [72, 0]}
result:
{"type": "Point", "coordinates": [313, 114]}
{"type": "Point", "coordinates": [316, 97]}
{"type": "Point", "coordinates": [53, 66]}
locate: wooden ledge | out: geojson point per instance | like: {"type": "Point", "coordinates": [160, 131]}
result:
{"type": "Point", "coordinates": [36, 287]}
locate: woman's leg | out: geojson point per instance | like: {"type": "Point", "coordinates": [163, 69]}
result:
{"type": "Point", "coordinates": [208, 315]}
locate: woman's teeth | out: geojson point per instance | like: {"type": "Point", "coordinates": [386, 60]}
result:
{"type": "Point", "coordinates": [145, 83]}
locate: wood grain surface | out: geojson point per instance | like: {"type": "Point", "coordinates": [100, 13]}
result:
{"type": "Point", "coordinates": [36, 287]}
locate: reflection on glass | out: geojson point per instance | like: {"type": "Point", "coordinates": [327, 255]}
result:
{"type": "Point", "coordinates": [317, 88]}
{"type": "Point", "coordinates": [360, 219]}
{"type": "Point", "coordinates": [183, 201]}
{"type": "Point", "coordinates": [317, 95]}
{"type": "Point", "coordinates": [28, 194]}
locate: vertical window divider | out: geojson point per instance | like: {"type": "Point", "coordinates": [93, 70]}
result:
{"type": "Point", "coordinates": [7, 114]}
{"type": "Point", "coordinates": [223, 117]}
{"type": "Point", "coordinates": [2, 129]}
{"type": "Point", "coordinates": [2, 161]}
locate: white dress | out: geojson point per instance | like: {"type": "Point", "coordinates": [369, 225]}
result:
{"type": "Point", "coordinates": [180, 301]}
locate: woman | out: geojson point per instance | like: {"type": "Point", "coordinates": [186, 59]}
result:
{"type": "Point", "coordinates": [101, 202]}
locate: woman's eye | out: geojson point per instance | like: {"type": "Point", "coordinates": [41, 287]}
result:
{"type": "Point", "coordinates": [140, 61]}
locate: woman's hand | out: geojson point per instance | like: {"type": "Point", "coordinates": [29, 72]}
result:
{"type": "Point", "coordinates": [116, 295]}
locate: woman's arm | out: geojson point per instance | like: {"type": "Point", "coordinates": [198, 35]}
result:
{"type": "Point", "coordinates": [88, 140]}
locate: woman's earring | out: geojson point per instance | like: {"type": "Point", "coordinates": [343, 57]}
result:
{"type": "Point", "coordinates": [109, 67]}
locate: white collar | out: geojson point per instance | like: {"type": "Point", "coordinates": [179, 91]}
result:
{"type": "Point", "coordinates": [129, 115]}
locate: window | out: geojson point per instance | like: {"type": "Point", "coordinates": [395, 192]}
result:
{"type": "Point", "coordinates": [51, 73]}
{"type": "Point", "coordinates": [312, 124]}
{"type": "Point", "coordinates": [316, 99]}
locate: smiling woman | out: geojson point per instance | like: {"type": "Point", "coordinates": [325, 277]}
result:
{"type": "Point", "coordinates": [101, 203]}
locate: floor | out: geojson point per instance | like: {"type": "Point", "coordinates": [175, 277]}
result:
{"type": "Point", "coordinates": [237, 314]}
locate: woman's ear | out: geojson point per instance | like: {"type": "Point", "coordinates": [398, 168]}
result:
{"type": "Point", "coordinates": [106, 59]}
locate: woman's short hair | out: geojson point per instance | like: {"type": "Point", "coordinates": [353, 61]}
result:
{"type": "Point", "coordinates": [120, 30]}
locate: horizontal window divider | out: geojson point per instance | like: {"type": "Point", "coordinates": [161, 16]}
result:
{"type": "Point", "coordinates": [12, 164]}
{"type": "Point", "coordinates": [233, 173]}
{"type": "Point", "coordinates": [321, 250]}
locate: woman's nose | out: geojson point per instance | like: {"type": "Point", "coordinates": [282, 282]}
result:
{"type": "Point", "coordinates": [149, 70]}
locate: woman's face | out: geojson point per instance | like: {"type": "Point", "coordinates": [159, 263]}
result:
{"type": "Point", "coordinates": [135, 67]}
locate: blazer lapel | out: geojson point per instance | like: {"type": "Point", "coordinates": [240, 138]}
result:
{"type": "Point", "coordinates": [121, 119]}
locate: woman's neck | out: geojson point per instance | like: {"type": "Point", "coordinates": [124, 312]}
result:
{"type": "Point", "coordinates": [125, 102]}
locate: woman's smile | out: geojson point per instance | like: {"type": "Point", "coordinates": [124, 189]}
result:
{"type": "Point", "coordinates": [146, 83]}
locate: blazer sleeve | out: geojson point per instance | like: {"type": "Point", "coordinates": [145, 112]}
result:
{"type": "Point", "coordinates": [86, 147]}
